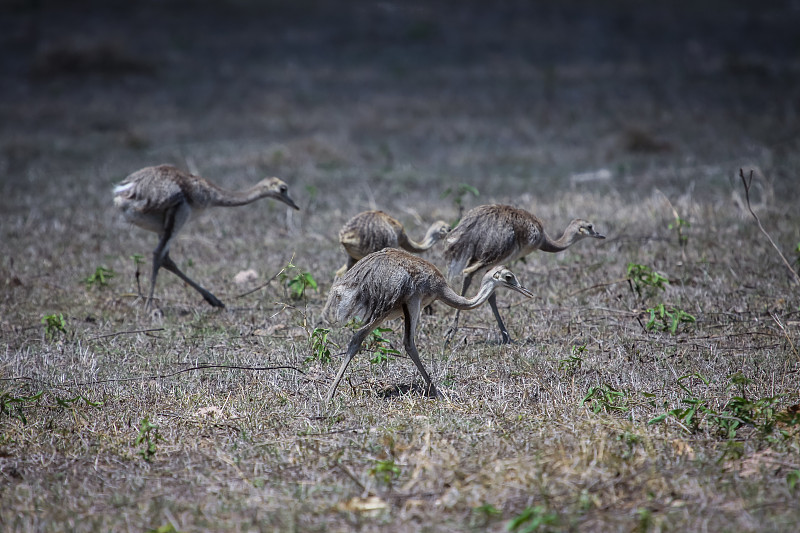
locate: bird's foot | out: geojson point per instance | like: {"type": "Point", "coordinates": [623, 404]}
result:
{"type": "Point", "coordinates": [213, 300]}
{"type": "Point", "coordinates": [448, 337]}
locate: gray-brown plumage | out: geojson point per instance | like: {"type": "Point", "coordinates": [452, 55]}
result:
{"type": "Point", "coordinates": [161, 199]}
{"type": "Point", "coordinates": [490, 235]}
{"type": "Point", "coordinates": [371, 231]}
{"type": "Point", "coordinates": [393, 283]}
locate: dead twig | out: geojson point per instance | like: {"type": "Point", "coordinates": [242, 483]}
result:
{"type": "Point", "coordinates": [124, 333]}
{"type": "Point", "coordinates": [599, 286]}
{"type": "Point", "coordinates": [785, 333]}
{"type": "Point", "coordinates": [747, 182]}
{"type": "Point", "coordinates": [270, 280]}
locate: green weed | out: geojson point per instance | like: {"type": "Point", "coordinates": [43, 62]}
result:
{"type": "Point", "coordinates": [385, 471]}
{"type": "Point", "coordinates": [149, 436]}
{"type": "Point", "coordinates": [382, 351]}
{"type": "Point", "coordinates": [678, 224]}
{"type": "Point", "coordinates": [793, 479]}
{"type": "Point", "coordinates": [644, 277]}
{"type": "Point", "coordinates": [669, 318]}
{"type": "Point", "coordinates": [797, 256]}
{"type": "Point", "coordinates": [487, 509]}
{"type": "Point", "coordinates": [100, 278]}
{"type": "Point", "coordinates": [69, 403]}
{"type": "Point", "coordinates": [54, 325]}
{"type": "Point", "coordinates": [320, 346]}
{"type": "Point", "coordinates": [458, 193]}
{"type": "Point", "coordinates": [573, 363]}
{"type": "Point", "coordinates": [532, 519]}
{"type": "Point", "coordinates": [606, 398]}
{"type": "Point", "coordinates": [297, 284]}
{"type": "Point", "coordinates": [737, 412]}
{"type": "Point", "coordinates": [12, 406]}
{"type": "Point", "coordinates": [166, 528]}
{"type": "Point", "coordinates": [644, 520]}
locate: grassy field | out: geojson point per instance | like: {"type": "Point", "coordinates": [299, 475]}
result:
{"type": "Point", "coordinates": [654, 380]}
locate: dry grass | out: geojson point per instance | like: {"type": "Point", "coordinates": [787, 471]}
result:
{"type": "Point", "coordinates": [553, 428]}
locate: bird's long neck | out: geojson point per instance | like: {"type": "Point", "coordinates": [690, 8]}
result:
{"type": "Point", "coordinates": [566, 240]}
{"type": "Point", "coordinates": [225, 198]}
{"type": "Point", "coordinates": [427, 242]}
{"type": "Point", "coordinates": [453, 299]}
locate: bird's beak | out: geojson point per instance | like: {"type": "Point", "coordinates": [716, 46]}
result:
{"type": "Point", "coordinates": [522, 290]}
{"type": "Point", "coordinates": [288, 201]}
{"type": "Point", "coordinates": [596, 235]}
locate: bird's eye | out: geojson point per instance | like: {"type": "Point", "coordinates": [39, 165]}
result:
{"type": "Point", "coordinates": [284, 188]}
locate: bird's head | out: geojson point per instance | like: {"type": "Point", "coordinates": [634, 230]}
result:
{"type": "Point", "coordinates": [583, 228]}
{"type": "Point", "coordinates": [277, 188]}
{"type": "Point", "coordinates": [439, 230]}
{"type": "Point", "coordinates": [500, 276]}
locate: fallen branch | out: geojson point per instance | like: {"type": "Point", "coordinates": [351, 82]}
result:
{"type": "Point", "coordinates": [747, 182]}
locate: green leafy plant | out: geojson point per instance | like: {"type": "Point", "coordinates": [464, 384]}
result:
{"type": "Point", "coordinates": [644, 520]}
{"type": "Point", "coordinates": [320, 346]}
{"type": "Point", "coordinates": [487, 509]}
{"type": "Point", "coordinates": [297, 284]}
{"type": "Point", "coordinates": [382, 351]}
{"type": "Point", "coordinates": [606, 398]}
{"type": "Point", "coordinates": [793, 479]}
{"type": "Point", "coordinates": [797, 258]}
{"type": "Point", "coordinates": [12, 406]}
{"type": "Point", "coordinates": [678, 224]}
{"type": "Point", "coordinates": [737, 412]}
{"type": "Point", "coordinates": [385, 470]}
{"type": "Point", "coordinates": [644, 277]}
{"type": "Point", "coordinates": [54, 325]}
{"type": "Point", "coordinates": [573, 363]}
{"type": "Point", "coordinates": [166, 528]}
{"type": "Point", "coordinates": [100, 277]}
{"type": "Point", "coordinates": [669, 318]}
{"type": "Point", "coordinates": [69, 403]}
{"type": "Point", "coordinates": [458, 193]}
{"type": "Point", "coordinates": [532, 519]}
{"type": "Point", "coordinates": [148, 436]}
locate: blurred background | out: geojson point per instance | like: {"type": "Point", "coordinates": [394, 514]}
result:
{"type": "Point", "coordinates": [408, 97]}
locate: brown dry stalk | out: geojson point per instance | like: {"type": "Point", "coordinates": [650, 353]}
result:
{"type": "Point", "coordinates": [747, 182]}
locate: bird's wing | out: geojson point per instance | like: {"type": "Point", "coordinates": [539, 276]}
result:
{"type": "Point", "coordinates": [482, 244]}
{"type": "Point", "coordinates": [150, 192]}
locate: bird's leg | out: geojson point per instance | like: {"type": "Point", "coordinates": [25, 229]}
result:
{"type": "Point", "coordinates": [158, 258]}
{"type": "Point", "coordinates": [503, 330]}
{"type": "Point", "coordinates": [352, 349]}
{"type": "Point", "coordinates": [411, 315]}
{"type": "Point", "coordinates": [453, 328]}
{"type": "Point", "coordinates": [161, 259]}
{"type": "Point", "coordinates": [170, 265]}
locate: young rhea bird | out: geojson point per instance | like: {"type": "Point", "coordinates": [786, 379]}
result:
{"type": "Point", "coordinates": [162, 199]}
{"type": "Point", "coordinates": [489, 235]}
{"type": "Point", "coordinates": [393, 283]}
{"type": "Point", "coordinates": [372, 231]}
